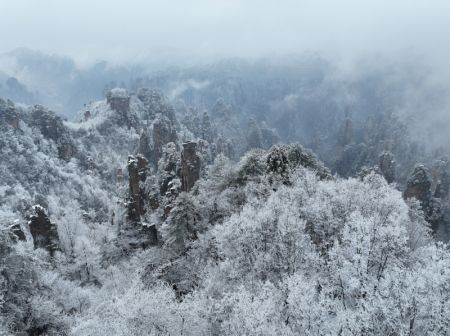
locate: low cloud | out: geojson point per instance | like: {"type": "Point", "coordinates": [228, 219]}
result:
{"type": "Point", "coordinates": [201, 29]}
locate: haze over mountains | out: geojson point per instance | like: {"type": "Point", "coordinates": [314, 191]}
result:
{"type": "Point", "coordinates": [407, 86]}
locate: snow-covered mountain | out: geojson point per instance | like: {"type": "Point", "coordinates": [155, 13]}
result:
{"type": "Point", "coordinates": [142, 216]}
{"type": "Point", "coordinates": [192, 209]}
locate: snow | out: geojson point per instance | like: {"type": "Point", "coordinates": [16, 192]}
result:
{"type": "Point", "coordinates": [119, 93]}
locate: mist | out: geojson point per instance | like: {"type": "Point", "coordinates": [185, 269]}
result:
{"type": "Point", "coordinates": [349, 55]}
{"type": "Point", "coordinates": [202, 30]}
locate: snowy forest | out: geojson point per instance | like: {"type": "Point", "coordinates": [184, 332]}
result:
{"type": "Point", "coordinates": [282, 195]}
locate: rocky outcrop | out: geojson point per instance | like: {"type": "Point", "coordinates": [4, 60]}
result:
{"type": "Point", "coordinates": [345, 135]}
{"type": "Point", "coordinates": [44, 232]}
{"type": "Point", "coordinates": [190, 166]}
{"type": "Point", "coordinates": [66, 150]}
{"type": "Point", "coordinates": [16, 232]}
{"type": "Point", "coordinates": [419, 187]}
{"type": "Point", "coordinates": [386, 164]}
{"type": "Point", "coordinates": [49, 124]}
{"type": "Point", "coordinates": [87, 115]}
{"type": "Point", "coordinates": [206, 129]}
{"type": "Point", "coordinates": [221, 110]}
{"type": "Point", "coordinates": [440, 184]}
{"type": "Point", "coordinates": [52, 127]}
{"type": "Point", "coordinates": [168, 167]}
{"type": "Point", "coordinates": [224, 147]}
{"type": "Point", "coordinates": [119, 100]}
{"type": "Point", "coordinates": [119, 175]}
{"type": "Point", "coordinates": [146, 146]}
{"type": "Point", "coordinates": [207, 152]}
{"type": "Point", "coordinates": [163, 133]}
{"type": "Point", "coordinates": [137, 171]}
{"type": "Point", "coordinates": [139, 233]}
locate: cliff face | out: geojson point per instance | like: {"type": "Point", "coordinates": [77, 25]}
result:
{"type": "Point", "coordinates": [46, 122]}
{"type": "Point", "coordinates": [16, 232]}
{"type": "Point", "coordinates": [119, 100]}
{"type": "Point", "coordinates": [190, 166]}
{"type": "Point", "coordinates": [138, 171]}
{"type": "Point", "coordinates": [386, 163]}
{"type": "Point", "coordinates": [440, 185]}
{"type": "Point", "coordinates": [44, 232]}
{"type": "Point", "coordinates": [345, 135]}
{"type": "Point", "coordinates": [52, 127]}
{"type": "Point", "coordinates": [163, 133]}
{"type": "Point", "coordinates": [137, 233]}
{"type": "Point", "coordinates": [419, 187]}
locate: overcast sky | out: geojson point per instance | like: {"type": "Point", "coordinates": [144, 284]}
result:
{"type": "Point", "coordinates": [119, 30]}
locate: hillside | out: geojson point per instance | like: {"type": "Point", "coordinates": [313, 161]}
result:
{"type": "Point", "coordinates": [139, 218]}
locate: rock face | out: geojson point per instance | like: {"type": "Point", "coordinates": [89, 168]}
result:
{"type": "Point", "coordinates": [119, 100]}
{"type": "Point", "coordinates": [17, 233]}
{"type": "Point", "coordinates": [139, 234]}
{"type": "Point", "coordinates": [44, 233]}
{"type": "Point", "coordinates": [163, 133]}
{"type": "Point", "coordinates": [168, 167]}
{"type": "Point", "coordinates": [386, 164]}
{"type": "Point", "coordinates": [207, 132]}
{"type": "Point", "coordinates": [87, 115]}
{"type": "Point", "coordinates": [190, 166]}
{"type": "Point", "coordinates": [51, 126]}
{"type": "Point", "coordinates": [163, 126]}
{"type": "Point", "coordinates": [345, 136]}
{"type": "Point", "coordinates": [440, 185]}
{"type": "Point", "coordinates": [66, 150]}
{"type": "Point", "coordinates": [138, 171]}
{"type": "Point", "coordinates": [119, 175]}
{"type": "Point", "coordinates": [419, 187]}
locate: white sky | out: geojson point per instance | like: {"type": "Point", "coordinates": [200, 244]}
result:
{"type": "Point", "coordinates": [121, 30]}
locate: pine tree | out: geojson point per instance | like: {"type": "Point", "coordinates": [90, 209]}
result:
{"type": "Point", "coordinates": [183, 223]}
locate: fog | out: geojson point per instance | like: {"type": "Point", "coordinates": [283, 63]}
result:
{"type": "Point", "coordinates": [137, 30]}
{"type": "Point", "coordinates": [402, 44]}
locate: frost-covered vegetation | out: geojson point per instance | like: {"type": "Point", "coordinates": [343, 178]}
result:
{"type": "Point", "coordinates": [141, 217]}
